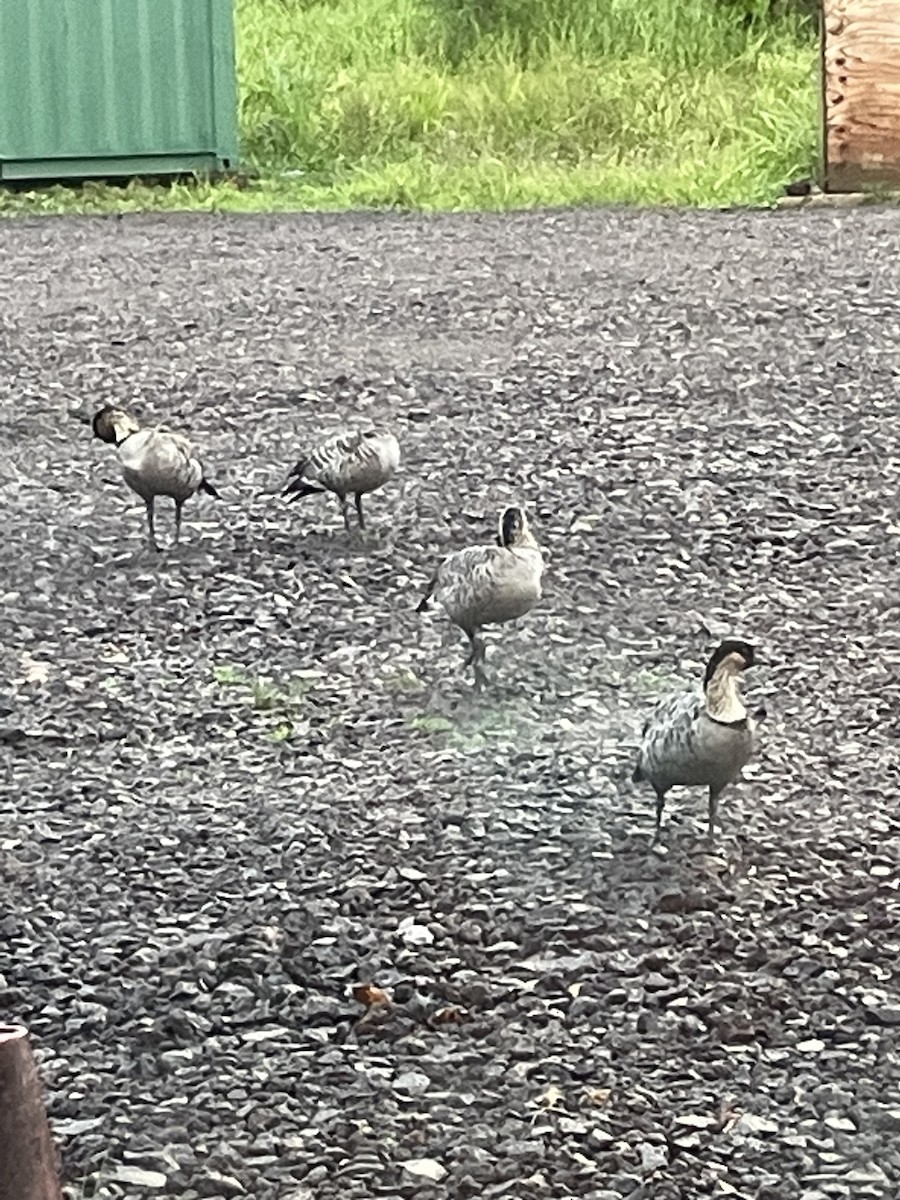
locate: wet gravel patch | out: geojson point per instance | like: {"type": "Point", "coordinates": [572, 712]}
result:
{"type": "Point", "coordinates": [244, 778]}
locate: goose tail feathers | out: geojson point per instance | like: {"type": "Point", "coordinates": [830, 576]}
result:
{"type": "Point", "coordinates": [298, 487]}
{"type": "Point", "coordinates": [423, 603]}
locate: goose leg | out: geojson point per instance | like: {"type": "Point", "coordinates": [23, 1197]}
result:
{"type": "Point", "coordinates": [660, 801]}
{"type": "Point", "coordinates": [150, 525]}
{"type": "Point", "coordinates": [359, 512]}
{"type": "Point", "coordinates": [345, 512]}
{"type": "Point", "coordinates": [470, 657]}
{"type": "Point", "coordinates": [714, 794]}
{"type": "Point", "coordinates": [179, 504]}
{"type": "Point", "coordinates": [479, 653]}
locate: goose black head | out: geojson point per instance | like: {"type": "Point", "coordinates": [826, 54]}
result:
{"type": "Point", "coordinates": [113, 424]}
{"type": "Point", "coordinates": [740, 655]}
{"type": "Point", "coordinates": [513, 527]}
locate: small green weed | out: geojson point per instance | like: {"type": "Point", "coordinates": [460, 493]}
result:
{"type": "Point", "coordinates": [228, 676]}
{"type": "Point", "coordinates": [271, 699]}
{"type": "Point", "coordinates": [428, 723]}
{"type": "Point", "coordinates": [655, 681]}
{"type": "Point", "coordinates": [404, 680]}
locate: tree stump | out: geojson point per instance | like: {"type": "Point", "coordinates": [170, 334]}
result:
{"type": "Point", "coordinates": [28, 1165]}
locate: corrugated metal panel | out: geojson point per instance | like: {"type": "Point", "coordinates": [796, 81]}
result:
{"type": "Point", "coordinates": [85, 79]}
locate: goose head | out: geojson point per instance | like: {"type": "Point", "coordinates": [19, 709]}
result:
{"type": "Point", "coordinates": [513, 529]}
{"type": "Point", "coordinates": [113, 424]}
{"type": "Point", "coordinates": [730, 657]}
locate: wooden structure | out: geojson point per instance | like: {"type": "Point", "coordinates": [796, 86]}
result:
{"type": "Point", "coordinates": [28, 1168]}
{"type": "Point", "coordinates": [861, 93]}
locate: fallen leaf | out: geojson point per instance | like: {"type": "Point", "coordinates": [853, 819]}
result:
{"type": "Point", "coordinates": [371, 996]}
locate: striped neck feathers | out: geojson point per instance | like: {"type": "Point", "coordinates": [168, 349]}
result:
{"type": "Point", "coordinates": [723, 699]}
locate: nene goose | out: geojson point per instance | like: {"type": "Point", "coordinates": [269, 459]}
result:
{"type": "Point", "coordinates": [692, 738]}
{"type": "Point", "coordinates": [351, 463]}
{"type": "Point", "coordinates": [155, 462]}
{"type": "Point", "coordinates": [486, 585]}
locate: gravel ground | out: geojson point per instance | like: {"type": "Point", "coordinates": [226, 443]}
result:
{"type": "Point", "coordinates": [243, 776]}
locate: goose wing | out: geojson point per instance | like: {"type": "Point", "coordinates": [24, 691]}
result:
{"type": "Point", "coordinates": [325, 467]}
{"type": "Point", "coordinates": [351, 461]}
{"type": "Point", "coordinates": [185, 463]}
{"type": "Point", "coordinates": [485, 585]}
{"type": "Point", "coordinates": [459, 575]}
{"type": "Point", "coordinates": [667, 732]}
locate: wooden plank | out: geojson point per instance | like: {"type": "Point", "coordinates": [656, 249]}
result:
{"type": "Point", "coordinates": [861, 93]}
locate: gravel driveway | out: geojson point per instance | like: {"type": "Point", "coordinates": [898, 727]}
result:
{"type": "Point", "coordinates": [243, 776]}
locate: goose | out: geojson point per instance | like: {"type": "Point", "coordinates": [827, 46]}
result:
{"type": "Point", "coordinates": [155, 462]}
{"type": "Point", "coordinates": [487, 585]}
{"type": "Point", "coordinates": [351, 463]}
{"type": "Point", "coordinates": [700, 737]}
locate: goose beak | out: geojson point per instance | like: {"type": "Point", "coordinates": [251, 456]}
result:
{"type": "Point", "coordinates": [78, 414]}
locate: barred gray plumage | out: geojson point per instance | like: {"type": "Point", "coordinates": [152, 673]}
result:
{"type": "Point", "coordinates": [350, 464]}
{"type": "Point", "coordinates": [155, 462]}
{"type": "Point", "coordinates": [702, 737]}
{"type": "Point", "coordinates": [487, 585]}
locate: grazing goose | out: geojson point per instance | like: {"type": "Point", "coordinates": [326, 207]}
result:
{"type": "Point", "coordinates": [486, 585]}
{"type": "Point", "coordinates": [350, 464]}
{"type": "Point", "coordinates": [700, 738]}
{"type": "Point", "coordinates": [155, 462]}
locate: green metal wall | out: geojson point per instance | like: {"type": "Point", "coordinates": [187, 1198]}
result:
{"type": "Point", "coordinates": [116, 87]}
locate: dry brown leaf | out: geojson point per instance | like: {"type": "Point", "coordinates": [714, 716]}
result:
{"type": "Point", "coordinates": [371, 995]}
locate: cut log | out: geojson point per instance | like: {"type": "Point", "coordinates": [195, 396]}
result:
{"type": "Point", "coordinates": [860, 68]}
{"type": "Point", "coordinates": [28, 1162]}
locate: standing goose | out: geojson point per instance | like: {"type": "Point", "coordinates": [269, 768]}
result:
{"type": "Point", "coordinates": [155, 462]}
{"type": "Point", "coordinates": [349, 464]}
{"type": "Point", "coordinates": [700, 738]}
{"type": "Point", "coordinates": [487, 585]}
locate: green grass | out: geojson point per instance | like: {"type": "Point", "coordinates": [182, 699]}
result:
{"type": "Point", "coordinates": [280, 708]}
{"type": "Point", "coordinates": [497, 104]}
